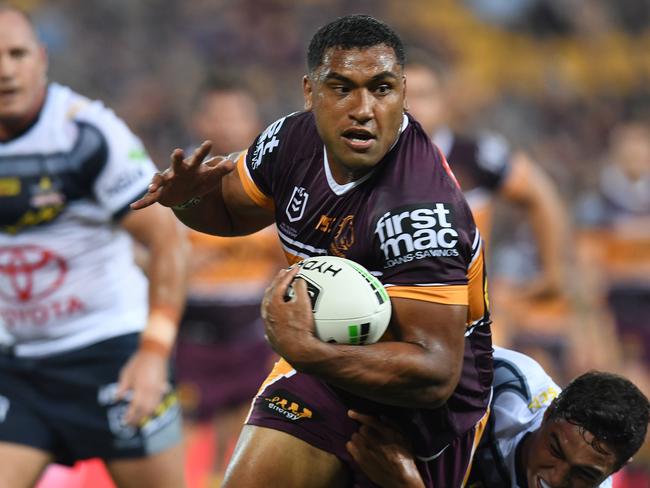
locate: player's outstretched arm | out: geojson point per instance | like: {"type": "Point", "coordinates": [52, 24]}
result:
{"type": "Point", "coordinates": [383, 453]}
{"type": "Point", "coordinates": [527, 185]}
{"type": "Point", "coordinates": [205, 195]}
{"type": "Point", "coordinates": [421, 370]}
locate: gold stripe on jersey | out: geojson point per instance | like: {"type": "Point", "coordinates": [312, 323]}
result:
{"type": "Point", "coordinates": [477, 284]}
{"type": "Point", "coordinates": [479, 430]}
{"type": "Point", "coordinates": [249, 185]}
{"type": "Point", "coordinates": [447, 294]}
{"type": "Point", "coordinates": [291, 258]}
{"type": "Point", "coordinates": [282, 369]}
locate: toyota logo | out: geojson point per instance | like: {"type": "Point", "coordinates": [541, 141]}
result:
{"type": "Point", "coordinates": [29, 273]}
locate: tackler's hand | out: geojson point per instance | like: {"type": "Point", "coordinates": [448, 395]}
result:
{"type": "Point", "coordinates": [383, 453]}
{"type": "Point", "coordinates": [186, 179]}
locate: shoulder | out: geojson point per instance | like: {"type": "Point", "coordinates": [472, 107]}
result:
{"type": "Point", "coordinates": [524, 377]}
{"type": "Point", "coordinates": [288, 133]}
{"type": "Point", "coordinates": [493, 151]}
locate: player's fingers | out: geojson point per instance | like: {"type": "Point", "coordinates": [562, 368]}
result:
{"type": "Point", "coordinates": [353, 449]}
{"type": "Point", "coordinates": [199, 154]}
{"type": "Point", "coordinates": [123, 386]}
{"type": "Point", "coordinates": [279, 284]}
{"type": "Point", "coordinates": [147, 200]}
{"type": "Point", "coordinates": [157, 180]}
{"type": "Point", "coordinates": [282, 282]}
{"type": "Point", "coordinates": [368, 420]}
{"type": "Point", "coordinates": [177, 157]}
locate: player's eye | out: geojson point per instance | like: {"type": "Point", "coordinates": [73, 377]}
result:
{"type": "Point", "coordinates": [341, 89]}
{"type": "Point", "coordinates": [18, 53]}
{"type": "Point", "coordinates": [555, 452]}
{"type": "Point", "coordinates": [383, 89]}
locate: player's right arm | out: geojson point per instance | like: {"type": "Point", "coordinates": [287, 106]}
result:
{"type": "Point", "coordinates": [207, 196]}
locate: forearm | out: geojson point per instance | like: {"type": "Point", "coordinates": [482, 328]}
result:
{"type": "Point", "coordinates": [551, 239]}
{"type": "Point", "coordinates": [211, 214]}
{"type": "Point", "coordinates": [395, 373]}
{"type": "Point", "coordinates": [167, 274]}
{"type": "Point", "coordinates": [207, 214]}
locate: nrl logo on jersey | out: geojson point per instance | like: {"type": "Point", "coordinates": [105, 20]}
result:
{"type": "Point", "coordinates": [416, 232]}
{"type": "Point", "coordinates": [297, 204]}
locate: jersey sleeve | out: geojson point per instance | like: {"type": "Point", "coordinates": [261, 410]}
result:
{"type": "Point", "coordinates": [493, 155]}
{"type": "Point", "coordinates": [127, 169]}
{"type": "Point", "coordinates": [522, 393]}
{"type": "Point", "coordinates": [258, 165]}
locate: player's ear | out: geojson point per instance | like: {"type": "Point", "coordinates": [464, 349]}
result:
{"type": "Point", "coordinates": [307, 92]}
{"type": "Point", "coordinates": [405, 105]}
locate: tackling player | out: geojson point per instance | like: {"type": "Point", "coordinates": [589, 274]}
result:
{"type": "Point", "coordinates": [537, 436]}
{"type": "Point", "coordinates": [353, 176]}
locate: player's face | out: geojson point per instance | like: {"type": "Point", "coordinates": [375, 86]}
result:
{"type": "Point", "coordinates": [561, 455]}
{"type": "Point", "coordinates": [425, 97]}
{"type": "Point", "coordinates": [357, 97]}
{"type": "Point", "coordinates": [23, 66]}
{"type": "Point", "coordinates": [229, 119]}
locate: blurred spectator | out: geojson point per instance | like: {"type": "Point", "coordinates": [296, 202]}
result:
{"type": "Point", "coordinates": [487, 167]}
{"type": "Point", "coordinates": [222, 356]}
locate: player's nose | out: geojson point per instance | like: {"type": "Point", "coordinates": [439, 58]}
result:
{"type": "Point", "coordinates": [363, 106]}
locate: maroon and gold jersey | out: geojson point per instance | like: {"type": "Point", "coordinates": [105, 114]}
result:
{"type": "Point", "coordinates": [409, 224]}
{"type": "Point", "coordinates": [406, 220]}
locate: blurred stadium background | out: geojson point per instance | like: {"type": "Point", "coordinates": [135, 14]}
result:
{"type": "Point", "coordinates": [556, 77]}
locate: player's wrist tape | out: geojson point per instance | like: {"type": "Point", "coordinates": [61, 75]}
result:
{"type": "Point", "coordinates": [160, 333]}
{"type": "Point", "coordinates": [192, 202]}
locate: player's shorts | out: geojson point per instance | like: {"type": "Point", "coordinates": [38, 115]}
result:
{"type": "Point", "coordinates": [64, 404]}
{"type": "Point", "coordinates": [444, 439]}
{"type": "Point", "coordinates": [220, 361]}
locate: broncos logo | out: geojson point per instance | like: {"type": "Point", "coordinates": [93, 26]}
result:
{"type": "Point", "coordinates": [343, 237]}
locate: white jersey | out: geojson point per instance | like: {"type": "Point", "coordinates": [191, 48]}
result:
{"type": "Point", "coordinates": [522, 393]}
{"type": "Point", "coordinates": [67, 274]}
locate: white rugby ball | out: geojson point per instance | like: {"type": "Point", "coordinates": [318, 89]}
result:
{"type": "Point", "coordinates": [350, 305]}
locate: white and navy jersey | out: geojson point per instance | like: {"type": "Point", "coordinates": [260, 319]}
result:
{"type": "Point", "coordinates": [67, 274]}
{"type": "Point", "coordinates": [522, 393]}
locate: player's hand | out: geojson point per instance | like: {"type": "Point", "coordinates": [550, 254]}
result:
{"type": "Point", "coordinates": [186, 178]}
{"type": "Point", "coordinates": [383, 453]}
{"type": "Point", "coordinates": [288, 322]}
{"type": "Point", "coordinates": [145, 377]}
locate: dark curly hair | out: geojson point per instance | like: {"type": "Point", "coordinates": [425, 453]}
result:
{"type": "Point", "coordinates": [608, 406]}
{"type": "Point", "coordinates": [349, 32]}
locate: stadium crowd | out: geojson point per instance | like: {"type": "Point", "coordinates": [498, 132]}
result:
{"type": "Point", "coordinates": [567, 83]}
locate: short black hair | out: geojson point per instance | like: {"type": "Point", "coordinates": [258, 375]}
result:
{"type": "Point", "coordinates": [608, 406]}
{"type": "Point", "coordinates": [350, 32]}
{"type": "Point", "coordinates": [223, 81]}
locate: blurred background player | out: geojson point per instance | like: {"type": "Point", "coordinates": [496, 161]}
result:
{"type": "Point", "coordinates": [488, 168]}
{"type": "Point", "coordinates": [222, 356]}
{"type": "Point", "coordinates": [537, 435]}
{"type": "Point", "coordinates": [85, 372]}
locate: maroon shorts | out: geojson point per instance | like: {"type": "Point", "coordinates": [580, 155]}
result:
{"type": "Point", "coordinates": [221, 358]}
{"type": "Point", "coordinates": [315, 412]}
